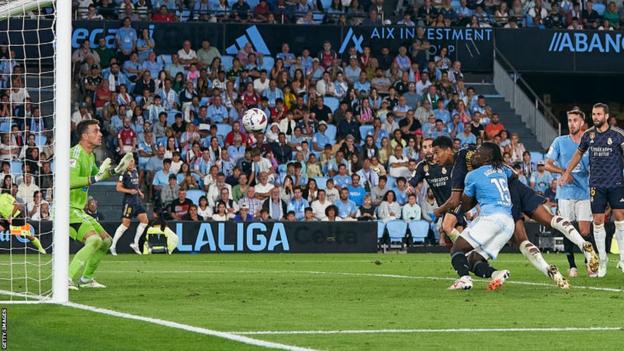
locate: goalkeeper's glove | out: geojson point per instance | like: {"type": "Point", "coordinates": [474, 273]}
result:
{"type": "Point", "coordinates": [124, 163]}
{"type": "Point", "coordinates": [103, 172]}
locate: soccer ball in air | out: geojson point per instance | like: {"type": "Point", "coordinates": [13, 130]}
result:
{"type": "Point", "coordinates": [254, 120]}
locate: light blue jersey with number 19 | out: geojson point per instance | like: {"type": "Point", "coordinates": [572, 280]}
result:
{"type": "Point", "coordinates": [488, 186]}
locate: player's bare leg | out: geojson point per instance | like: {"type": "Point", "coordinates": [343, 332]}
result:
{"type": "Point", "coordinates": [543, 216]}
{"type": "Point", "coordinates": [448, 226]}
{"type": "Point", "coordinates": [534, 256]}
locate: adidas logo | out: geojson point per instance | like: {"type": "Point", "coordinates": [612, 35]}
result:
{"type": "Point", "coordinates": [251, 35]}
{"type": "Point", "coordinates": [357, 42]}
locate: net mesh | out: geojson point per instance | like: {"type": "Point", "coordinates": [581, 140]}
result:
{"type": "Point", "coordinates": [26, 144]}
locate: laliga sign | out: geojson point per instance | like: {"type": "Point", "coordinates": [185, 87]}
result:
{"type": "Point", "coordinates": [254, 238]}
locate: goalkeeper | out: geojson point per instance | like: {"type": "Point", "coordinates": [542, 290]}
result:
{"type": "Point", "coordinates": [12, 217]}
{"type": "Point", "coordinates": [82, 227]}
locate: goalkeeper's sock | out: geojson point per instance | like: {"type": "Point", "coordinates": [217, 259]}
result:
{"type": "Point", "coordinates": [566, 228]}
{"type": "Point", "coordinates": [533, 254]}
{"type": "Point", "coordinates": [139, 231]}
{"type": "Point", "coordinates": [453, 235]}
{"type": "Point", "coordinates": [601, 236]}
{"type": "Point", "coordinates": [77, 265]}
{"type": "Point", "coordinates": [118, 233]}
{"type": "Point", "coordinates": [36, 243]}
{"type": "Point", "coordinates": [94, 262]}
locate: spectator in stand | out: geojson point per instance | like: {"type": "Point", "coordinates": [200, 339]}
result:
{"type": "Point", "coordinates": [125, 40]}
{"type": "Point", "coordinates": [163, 16]}
{"type": "Point", "coordinates": [494, 127]}
{"type": "Point", "coordinates": [347, 209]}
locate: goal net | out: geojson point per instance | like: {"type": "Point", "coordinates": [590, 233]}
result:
{"type": "Point", "coordinates": [30, 122]}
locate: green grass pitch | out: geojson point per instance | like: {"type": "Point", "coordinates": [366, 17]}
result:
{"type": "Point", "coordinates": [327, 292]}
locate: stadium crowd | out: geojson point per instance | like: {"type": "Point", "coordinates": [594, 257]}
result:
{"type": "Point", "coordinates": [344, 137]}
{"type": "Point", "coordinates": [597, 14]}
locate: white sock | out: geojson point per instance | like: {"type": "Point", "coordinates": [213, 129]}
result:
{"type": "Point", "coordinates": [619, 237]}
{"type": "Point", "coordinates": [139, 231]}
{"type": "Point", "coordinates": [533, 254]}
{"type": "Point", "coordinates": [566, 228]}
{"type": "Point", "coordinates": [600, 235]}
{"type": "Point", "coordinates": [118, 233]}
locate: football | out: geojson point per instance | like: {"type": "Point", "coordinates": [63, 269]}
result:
{"type": "Point", "coordinates": [254, 120]}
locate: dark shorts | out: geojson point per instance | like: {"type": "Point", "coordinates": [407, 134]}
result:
{"type": "Point", "coordinates": [524, 200]}
{"type": "Point", "coordinates": [131, 210]}
{"type": "Point", "coordinates": [600, 197]}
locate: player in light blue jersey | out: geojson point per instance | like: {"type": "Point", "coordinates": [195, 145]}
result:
{"type": "Point", "coordinates": [573, 198]}
{"type": "Point", "coordinates": [486, 235]}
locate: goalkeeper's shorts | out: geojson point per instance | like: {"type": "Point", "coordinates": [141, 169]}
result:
{"type": "Point", "coordinates": [80, 224]}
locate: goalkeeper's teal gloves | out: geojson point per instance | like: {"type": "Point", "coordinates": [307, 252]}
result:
{"type": "Point", "coordinates": [124, 163]}
{"type": "Point", "coordinates": [103, 172]}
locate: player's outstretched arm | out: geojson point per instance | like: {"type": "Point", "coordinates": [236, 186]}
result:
{"type": "Point", "coordinates": [102, 173]}
{"type": "Point", "coordinates": [451, 203]}
{"type": "Point", "coordinates": [552, 168]}
{"type": "Point", "coordinates": [566, 177]}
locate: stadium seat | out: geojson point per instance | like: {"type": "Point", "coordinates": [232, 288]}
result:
{"type": "Point", "coordinates": [396, 230]}
{"type": "Point", "coordinates": [184, 15]}
{"type": "Point", "coordinates": [331, 132]}
{"type": "Point", "coordinates": [365, 130]}
{"type": "Point", "coordinates": [5, 126]}
{"type": "Point", "coordinates": [223, 129]}
{"type": "Point", "coordinates": [267, 63]}
{"type": "Point", "coordinates": [226, 62]}
{"type": "Point", "coordinates": [391, 183]}
{"type": "Point", "coordinates": [40, 140]}
{"type": "Point", "coordinates": [194, 195]}
{"type": "Point", "coordinates": [171, 116]}
{"type": "Point", "coordinates": [282, 168]}
{"type": "Point", "coordinates": [381, 228]}
{"type": "Point", "coordinates": [253, 3]}
{"type": "Point", "coordinates": [204, 101]}
{"type": "Point", "coordinates": [318, 17]}
{"type": "Point", "coordinates": [331, 102]}
{"type": "Point", "coordinates": [326, 4]}
{"type": "Point", "coordinates": [536, 156]}
{"type": "Point", "coordinates": [164, 59]}
{"type": "Point", "coordinates": [321, 182]}
{"type": "Point", "coordinates": [419, 230]}
{"type": "Point", "coordinates": [16, 167]}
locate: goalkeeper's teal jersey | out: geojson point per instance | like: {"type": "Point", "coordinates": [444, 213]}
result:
{"type": "Point", "coordinates": [81, 166]}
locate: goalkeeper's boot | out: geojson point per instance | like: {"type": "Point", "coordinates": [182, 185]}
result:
{"type": "Point", "coordinates": [591, 258]}
{"type": "Point", "coordinates": [72, 286]}
{"type": "Point", "coordinates": [557, 277]}
{"type": "Point", "coordinates": [136, 249]}
{"type": "Point", "coordinates": [90, 283]}
{"type": "Point", "coordinates": [498, 279]}
{"type": "Point", "coordinates": [463, 283]}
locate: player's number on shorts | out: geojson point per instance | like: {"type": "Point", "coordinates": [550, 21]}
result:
{"type": "Point", "coordinates": [503, 190]}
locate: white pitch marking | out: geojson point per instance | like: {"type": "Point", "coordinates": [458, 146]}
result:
{"type": "Point", "coordinates": [424, 331]}
{"type": "Point", "coordinates": [379, 275]}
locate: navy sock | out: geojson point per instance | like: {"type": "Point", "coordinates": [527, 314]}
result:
{"type": "Point", "coordinates": [483, 269]}
{"type": "Point", "coordinates": [460, 263]}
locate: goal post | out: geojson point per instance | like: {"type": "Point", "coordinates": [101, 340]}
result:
{"type": "Point", "coordinates": [37, 77]}
{"type": "Point", "coordinates": [62, 120]}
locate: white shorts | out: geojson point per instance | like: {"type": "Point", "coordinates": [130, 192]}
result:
{"type": "Point", "coordinates": [489, 234]}
{"type": "Point", "coordinates": [575, 210]}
